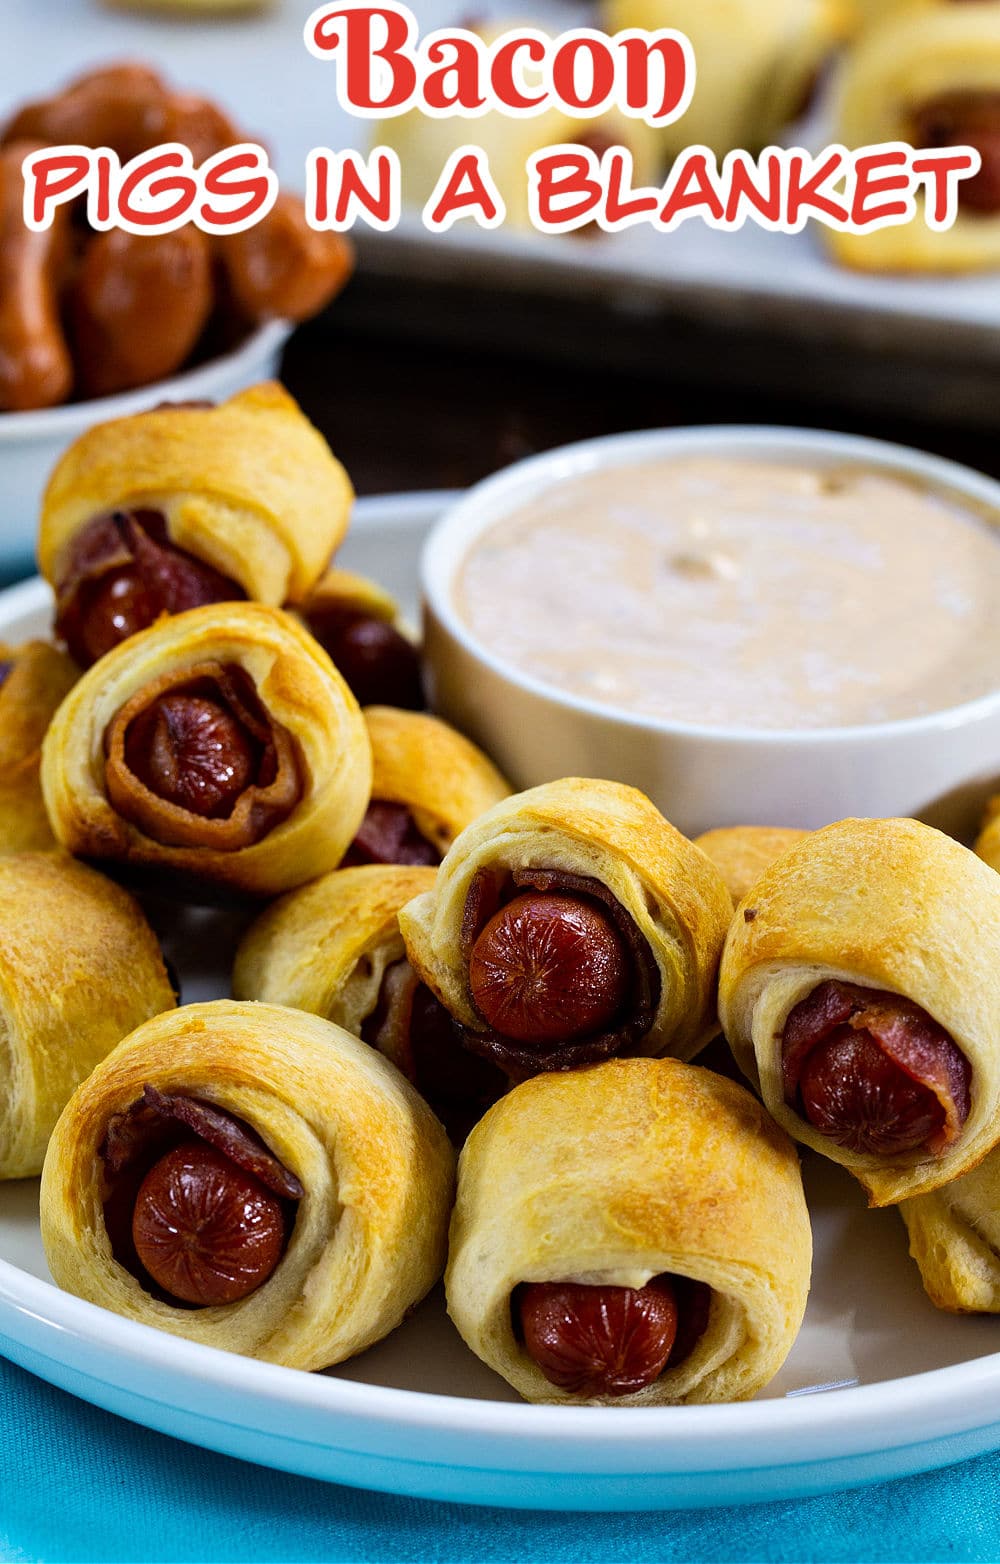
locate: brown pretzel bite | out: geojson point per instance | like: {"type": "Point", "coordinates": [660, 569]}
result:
{"type": "Point", "coordinates": [137, 307]}
{"type": "Point", "coordinates": [127, 107]}
{"type": "Point", "coordinates": [281, 268]}
{"type": "Point", "coordinates": [35, 365]}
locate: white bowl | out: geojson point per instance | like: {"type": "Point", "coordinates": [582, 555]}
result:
{"type": "Point", "coordinates": [32, 443]}
{"type": "Point", "coordinates": [939, 767]}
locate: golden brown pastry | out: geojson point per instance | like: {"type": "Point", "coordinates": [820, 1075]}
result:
{"type": "Point", "coordinates": [954, 1237]}
{"type": "Point", "coordinates": [873, 13]}
{"type": "Point", "coordinates": [334, 948]}
{"type": "Point", "coordinates": [858, 990]}
{"type": "Point", "coordinates": [633, 1234]}
{"type": "Point", "coordinates": [34, 678]}
{"type": "Point", "coordinates": [757, 63]}
{"type": "Point", "coordinates": [221, 746]}
{"type": "Point", "coordinates": [187, 505]}
{"type": "Point", "coordinates": [79, 968]}
{"type": "Point", "coordinates": [929, 76]}
{"type": "Point", "coordinates": [428, 784]}
{"type": "Point", "coordinates": [955, 1240]}
{"type": "Point", "coordinates": [570, 923]}
{"type": "Point", "coordinates": [988, 841]}
{"type": "Point", "coordinates": [252, 1178]}
{"type": "Point", "coordinates": [741, 853]}
{"type": "Point", "coordinates": [359, 624]}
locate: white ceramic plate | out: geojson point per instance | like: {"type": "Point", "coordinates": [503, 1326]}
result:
{"type": "Point", "coordinates": [878, 1385]}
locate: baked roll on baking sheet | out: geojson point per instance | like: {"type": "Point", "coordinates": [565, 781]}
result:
{"type": "Point", "coordinates": [186, 505]}
{"type": "Point", "coordinates": [570, 923]}
{"type": "Point", "coordinates": [929, 77]}
{"type": "Point", "coordinates": [424, 145]}
{"type": "Point", "coordinates": [79, 969]}
{"type": "Point", "coordinates": [252, 1178]}
{"type": "Point", "coordinates": [334, 948]}
{"type": "Point", "coordinates": [955, 1240]}
{"type": "Point", "coordinates": [858, 990]}
{"type": "Point", "coordinates": [428, 783]}
{"type": "Point", "coordinates": [632, 1234]}
{"type": "Point", "coordinates": [221, 746]}
{"type": "Point", "coordinates": [358, 622]}
{"type": "Point", "coordinates": [741, 853]}
{"type": "Point", "coordinates": [34, 678]}
{"type": "Point", "coordinates": [757, 63]}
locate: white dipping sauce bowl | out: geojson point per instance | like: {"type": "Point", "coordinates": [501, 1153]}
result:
{"type": "Point", "coordinates": [32, 443]}
{"type": "Point", "coordinates": [939, 767]}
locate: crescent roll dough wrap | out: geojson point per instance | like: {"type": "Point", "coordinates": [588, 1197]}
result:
{"type": "Point", "coordinates": [742, 852]}
{"type": "Point", "coordinates": [428, 784]}
{"type": "Point", "coordinates": [955, 1240]}
{"type": "Point", "coordinates": [326, 947]}
{"type": "Point", "coordinates": [757, 62]}
{"type": "Point", "coordinates": [79, 968]}
{"type": "Point", "coordinates": [264, 1104]}
{"type": "Point", "coordinates": [857, 989]}
{"type": "Point", "coordinates": [988, 840]}
{"type": "Point", "coordinates": [633, 1173]}
{"type": "Point", "coordinates": [930, 77]}
{"type": "Point", "coordinates": [424, 145]}
{"type": "Point", "coordinates": [186, 505]}
{"type": "Point", "coordinates": [334, 948]}
{"type": "Point", "coordinates": [569, 923]}
{"type": "Point", "coordinates": [33, 680]}
{"type": "Point", "coordinates": [221, 745]}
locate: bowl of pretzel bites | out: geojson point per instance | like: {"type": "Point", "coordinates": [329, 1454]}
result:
{"type": "Point", "coordinates": [96, 325]}
{"type": "Point", "coordinates": [537, 1045]}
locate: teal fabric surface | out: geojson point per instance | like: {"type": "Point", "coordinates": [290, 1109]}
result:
{"type": "Point", "coordinates": [78, 1485]}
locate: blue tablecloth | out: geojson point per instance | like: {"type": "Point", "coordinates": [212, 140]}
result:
{"type": "Point", "coordinates": [77, 1484]}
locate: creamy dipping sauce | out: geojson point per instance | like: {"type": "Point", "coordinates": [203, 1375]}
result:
{"type": "Point", "coordinates": [726, 592]}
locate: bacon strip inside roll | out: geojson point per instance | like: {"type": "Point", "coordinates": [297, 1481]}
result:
{"type": "Point", "coordinates": [34, 678]}
{"type": "Point", "coordinates": [221, 746]}
{"type": "Point", "coordinates": [182, 506]}
{"type": "Point", "coordinates": [856, 990]}
{"type": "Point", "coordinates": [428, 784]}
{"type": "Point", "coordinates": [251, 1178]}
{"type": "Point", "coordinates": [79, 968]}
{"type": "Point", "coordinates": [634, 1234]}
{"type": "Point", "coordinates": [569, 924]}
{"type": "Point", "coordinates": [334, 948]}
{"type": "Point", "coordinates": [358, 623]}
{"type": "Point", "coordinates": [929, 76]}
